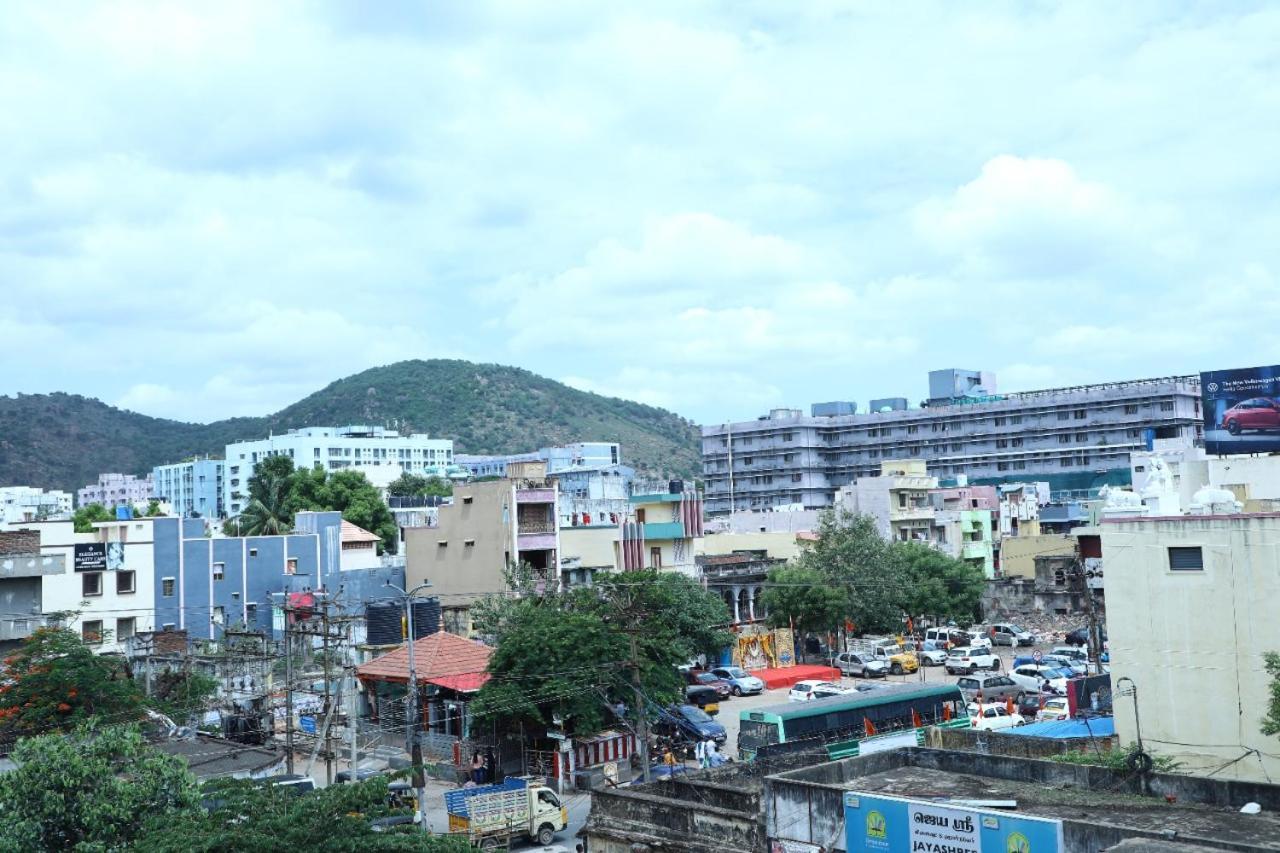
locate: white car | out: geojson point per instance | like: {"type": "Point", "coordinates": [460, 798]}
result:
{"type": "Point", "coordinates": [826, 691]}
{"type": "Point", "coordinates": [978, 639]}
{"type": "Point", "coordinates": [1039, 678]}
{"type": "Point", "coordinates": [1079, 657]}
{"type": "Point", "coordinates": [803, 691]}
{"type": "Point", "coordinates": [993, 717]}
{"type": "Point", "coordinates": [968, 659]}
{"type": "Point", "coordinates": [1055, 708]}
{"type": "Point", "coordinates": [930, 657]}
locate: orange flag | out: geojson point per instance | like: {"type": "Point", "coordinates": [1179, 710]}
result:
{"type": "Point", "coordinates": [1008, 704]}
{"type": "Point", "coordinates": [870, 729]}
{"type": "Point", "coordinates": [946, 713]}
{"type": "Point", "coordinates": [915, 719]}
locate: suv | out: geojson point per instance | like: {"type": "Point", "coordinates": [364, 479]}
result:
{"type": "Point", "coordinates": [1005, 634]}
{"type": "Point", "coordinates": [860, 664]}
{"type": "Point", "coordinates": [992, 688]}
{"type": "Point", "coordinates": [740, 681]}
{"type": "Point", "coordinates": [967, 660]}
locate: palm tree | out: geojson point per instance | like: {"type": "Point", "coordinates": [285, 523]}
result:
{"type": "Point", "coordinates": [269, 516]}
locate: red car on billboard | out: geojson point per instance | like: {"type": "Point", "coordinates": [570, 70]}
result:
{"type": "Point", "coordinates": [1260, 413]}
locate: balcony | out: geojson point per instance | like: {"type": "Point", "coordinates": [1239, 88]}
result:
{"type": "Point", "coordinates": [536, 541]}
{"type": "Point", "coordinates": [32, 565]}
{"type": "Point", "coordinates": [17, 628]}
{"type": "Point", "coordinates": [534, 492]}
{"type": "Point", "coordinates": [911, 513]}
{"type": "Point", "coordinates": [536, 527]}
{"type": "Point", "coordinates": [663, 530]}
{"type": "Point", "coordinates": [976, 550]}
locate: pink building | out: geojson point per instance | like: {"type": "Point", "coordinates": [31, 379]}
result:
{"type": "Point", "coordinates": [113, 490]}
{"type": "Point", "coordinates": [964, 497]}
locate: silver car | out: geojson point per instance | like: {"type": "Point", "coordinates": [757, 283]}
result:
{"type": "Point", "coordinates": [860, 664]}
{"type": "Point", "coordinates": [992, 688]}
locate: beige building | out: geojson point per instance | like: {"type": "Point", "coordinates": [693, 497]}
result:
{"type": "Point", "coordinates": [1191, 608]}
{"type": "Point", "coordinates": [1018, 554]}
{"type": "Point", "coordinates": [898, 500]}
{"type": "Point", "coordinates": [782, 546]}
{"type": "Point", "coordinates": [489, 526]}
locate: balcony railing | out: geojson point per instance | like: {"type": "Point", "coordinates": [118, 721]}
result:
{"type": "Point", "coordinates": [536, 527]}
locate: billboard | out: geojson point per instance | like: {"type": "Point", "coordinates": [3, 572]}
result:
{"type": "Point", "coordinates": [98, 556]}
{"type": "Point", "coordinates": [1241, 410]}
{"type": "Point", "coordinates": [880, 824]}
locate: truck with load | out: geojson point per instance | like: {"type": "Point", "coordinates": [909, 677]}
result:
{"type": "Point", "coordinates": [491, 815]}
{"type": "Point", "coordinates": [888, 650]}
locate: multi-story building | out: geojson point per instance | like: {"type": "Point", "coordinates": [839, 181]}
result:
{"type": "Point", "coordinates": [662, 527]}
{"type": "Point", "coordinates": [22, 571]}
{"type": "Point", "coordinates": [898, 499]}
{"type": "Point", "coordinates": [1191, 606]}
{"type": "Point", "coordinates": [113, 490]}
{"type": "Point", "coordinates": [26, 503]}
{"type": "Point", "coordinates": [381, 454]}
{"type": "Point", "coordinates": [579, 455]}
{"type": "Point", "coordinates": [1076, 439]}
{"type": "Point", "coordinates": [489, 526]}
{"type": "Point", "coordinates": [193, 488]}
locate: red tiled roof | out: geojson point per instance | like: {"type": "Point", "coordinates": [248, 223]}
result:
{"type": "Point", "coordinates": [354, 533]}
{"type": "Point", "coordinates": [441, 658]}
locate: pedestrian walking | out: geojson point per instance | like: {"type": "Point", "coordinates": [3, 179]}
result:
{"type": "Point", "coordinates": [700, 753]}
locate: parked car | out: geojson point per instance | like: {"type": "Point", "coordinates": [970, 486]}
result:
{"type": "Point", "coordinates": [826, 691]}
{"type": "Point", "coordinates": [803, 691]}
{"type": "Point", "coordinates": [969, 659]}
{"type": "Point", "coordinates": [994, 717]}
{"type": "Point", "coordinates": [706, 679]}
{"type": "Point", "coordinates": [1008, 634]}
{"type": "Point", "coordinates": [1080, 636]}
{"type": "Point", "coordinates": [1055, 708]}
{"type": "Point", "coordinates": [706, 698]}
{"type": "Point", "coordinates": [887, 649]}
{"type": "Point", "coordinates": [927, 656]}
{"type": "Point", "coordinates": [992, 688]}
{"type": "Point", "coordinates": [861, 664]}
{"type": "Point", "coordinates": [1056, 661]}
{"type": "Point", "coordinates": [1077, 657]}
{"type": "Point", "coordinates": [1258, 413]}
{"type": "Point", "coordinates": [946, 637]}
{"type": "Point", "coordinates": [690, 723]}
{"type": "Point", "coordinates": [978, 639]}
{"type": "Point", "coordinates": [741, 682]}
{"type": "Point", "coordinates": [1029, 705]}
{"type": "Point", "coordinates": [1041, 678]}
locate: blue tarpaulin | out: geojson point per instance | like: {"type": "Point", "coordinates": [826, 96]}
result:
{"type": "Point", "coordinates": [1095, 727]}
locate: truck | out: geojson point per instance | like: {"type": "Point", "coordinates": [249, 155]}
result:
{"type": "Point", "coordinates": [888, 650]}
{"type": "Point", "coordinates": [492, 815]}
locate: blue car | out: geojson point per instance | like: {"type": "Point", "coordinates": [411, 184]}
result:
{"type": "Point", "coordinates": [741, 682]}
{"type": "Point", "coordinates": [692, 723]}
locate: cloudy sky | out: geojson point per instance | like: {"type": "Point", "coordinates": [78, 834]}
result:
{"type": "Point", "coordinates": [213, 209]}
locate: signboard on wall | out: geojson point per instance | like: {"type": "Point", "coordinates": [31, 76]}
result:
{"type": "Point", "coordinates": [98, 556]}
{"type": "Point", "coordinates": [1241, 410]}
{"type": "Point", "coordinates": [880, 824]}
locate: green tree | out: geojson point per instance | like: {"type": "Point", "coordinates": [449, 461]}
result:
{"type": "Point", "coordinates": [1271, 721]}
{"type": "Point", "coordinates": [266, 474]}
{"type": "Point", "coordinates": [804, 600]}
{"type": "Point", "coordinates": [181, 694]}
{"type": "Point", "coordinates": [851, 555]}
{"type": "Point", "coordinates": [351, 493]}
{"type": "Point", "coordinates": [153, 508]}
{"type": "Point", "coordinates": [408, 486]}
{"type": "Point", "coordinates": [269, 515]}
{"type": "Point", "coordinates": [250, 817]}
{"type": "Point", "coordinates": [939, 584]}
{"type": "Point", "coordinates": [92, 790]}
{"type": "Point", "coordinates": [438, 487]}
{"type": "Point", "coordinates": [54, 682]}
{"type": "Point", "coordinates": [564, 654]}
{"type": "Point", "coordinates": [85, 516]}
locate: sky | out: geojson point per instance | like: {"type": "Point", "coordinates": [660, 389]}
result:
{"type": "Point", "coordinates": [214, 209]}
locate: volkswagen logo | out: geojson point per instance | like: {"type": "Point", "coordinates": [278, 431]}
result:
{"type": "Point", "coordinates": [1213, 386]}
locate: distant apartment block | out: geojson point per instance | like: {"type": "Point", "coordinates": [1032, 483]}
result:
{"type": "Point", "coordinates": [381, 454]}
{"type": "Point", "coordinates": [193, 488]}
{"type": "Point", "coordinates": [580, 455]}
{"type": "Point", "coordinates": [113, 490]}
{"type": "Point", "coordinates": [25, 503]}
{"type": "Point", "coordinates": [1076, 439]}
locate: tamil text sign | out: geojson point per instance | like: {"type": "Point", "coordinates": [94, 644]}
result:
{"type": "Point", "coordinates": [880, 824]}
{"type": "Point", "coordinates": [1241, 410]}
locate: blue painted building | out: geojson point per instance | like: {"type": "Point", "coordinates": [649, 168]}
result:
{"type": "Point", "coordinates": [192, 488]}
{"type": "Point", "coordinates": [205, 584]}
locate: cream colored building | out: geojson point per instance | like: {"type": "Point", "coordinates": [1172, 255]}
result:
{"type": "Point", "coordinates": [1192, 605]}
{"type": "Point", "coordinates": [1018, 554]}
{"type": "Point", "coordinates": [898, 500]}
{"type": "Point", "coordinates": [783, 546]}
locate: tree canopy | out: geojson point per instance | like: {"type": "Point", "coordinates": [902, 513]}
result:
{"type": "Point", "coordinates": [852, 556]}
{"type": "Point", "coordinates": [91, 790]}
{"type": "Point", "coordinates": [938, 584]}
{"type": "Point", "coordinates": [84, 517]}
{"type": "Point", "coordinates": [564, 653]}
{"type": "Point", "coordinates": [804, 600]}
{"type": "Point", "coordinates": [54, 682]}
{"type": "Point", "coordinates": [1271, 720]}
{"type": "Point", "coordinates": [416, 486]}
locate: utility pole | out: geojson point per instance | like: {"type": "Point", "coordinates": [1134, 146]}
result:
{"type": "Point", "coordinates": [1095, 628]}
{"type": "Point", "coordinates": [415, 717]}
{"type": "Point", "coordinates": [353, 724]}
{"type": "Point", "coordinates": [288, 687]}
{"type": "Point", "coordinates": [328, 699]}
{"type": "Point", "coordinates": [642, 721]}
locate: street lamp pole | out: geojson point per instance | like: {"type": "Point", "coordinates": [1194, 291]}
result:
{"type": "Point", "coordinates": [415, 717]}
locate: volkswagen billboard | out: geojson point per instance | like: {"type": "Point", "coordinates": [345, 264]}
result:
{"type": "Point", "coordinates": [1241, 410]}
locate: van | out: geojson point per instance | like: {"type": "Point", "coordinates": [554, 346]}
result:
{"type": "Point", "coordinates": [945, 638]}
{"type": "Point", "coordinates": [1008, 634]}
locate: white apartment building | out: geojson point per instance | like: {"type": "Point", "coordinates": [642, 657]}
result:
{"type": "Point", "coordinates": [381, 454]}
{"type": "Point", "coordinates": [109, 579]}
{"type": "Point", "coordinates": [27, 503]}
{"type": "Point", "coordinates": [114, 490]}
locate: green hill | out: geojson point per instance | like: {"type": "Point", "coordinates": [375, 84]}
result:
{"type": "Point", "coordinates": [64, 440]}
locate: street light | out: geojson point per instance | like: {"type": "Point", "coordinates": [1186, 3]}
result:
{"type": "Point", "coordinates": [415, 743]}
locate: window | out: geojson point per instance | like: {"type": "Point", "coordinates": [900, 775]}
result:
{"type": "Point", "coordinates": [1167, 406]}
{"type": "Point", "coordinates": [466, 500]}
{"type": "Point", "coordinates": [291, 566]}
{"type": "Point", "coordinates": [912, 429]}
{"type": "Point", "coordinates": [640, 515]}
{"type": "Point", "coordinates": [1079, 414]}
{"type": "Point", "coordinates": [1131, 409]}
{"type": "Point", "coordinates": [746, 460]}
{"type": "Point", "coordinates": [251, 613]}
{"type": "Point", "coordinates": [124, 628]}
{"type": "Point", "coordinates": [795, 478]}
{"type": "Point", "coordinates": [219, 571]}
{"type": "Point", "coordinates": [655, 557]}
{"type": "Point", "coordinates": [998, 421]}
{"type": "Point", "coordinates": [126, 582]}
{"type": "Point", "coordinates": [219, 616]}
{"type": "Point", "coordinates": [1064, 416]}
{"type": "Point", "coordinates": [166, 587]}
{"type": "Point", "coordinates": [1016, 419]}
{"type": "Point", "coordinates": [1000, 442]}
{"type": "Point", "coordinates": [1002, 466]}
{"type": "Point", "coordinates": [253, 552]}
{"type": "Point", "coordinates": [788, 436]}
{"type": "Point", "coordinates": [1183, 559]}
{"type": "Point", "coordinates": [91, 631]}
{"type": "Point", "coordinates": [1017, 442]}
{"type": "Point", "coordinates": [467, 543]}
{"type": "Point", "coordinates": [168, 626]}
{"type": "Point", "coordinates": [91, 584]}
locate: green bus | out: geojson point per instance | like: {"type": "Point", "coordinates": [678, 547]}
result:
{"type": "Point", "coordinates": [898, 715]}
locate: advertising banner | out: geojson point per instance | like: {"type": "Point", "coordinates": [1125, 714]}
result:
{"type": "Point", "coordinates": [98, 556]}
{"type": "Point", "coordinates": [892, 824]}
{"type": "Point", "coordinates": [1241, 410]}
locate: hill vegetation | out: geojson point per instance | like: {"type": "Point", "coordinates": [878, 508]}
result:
{"type": "Point", "coordinates": [65, 440]}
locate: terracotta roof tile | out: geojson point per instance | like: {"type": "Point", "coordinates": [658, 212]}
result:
{"type": "Point", "coordinates": [354, 533]}
{"type": "Point", "coordinates": [440, 658]}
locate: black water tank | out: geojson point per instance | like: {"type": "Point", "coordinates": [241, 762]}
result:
{"type": "Point", "coordinates": [426, 617]}
{"type": "Point", "coordinates": [383, 623]}
{"type": "Point", "coordinates": [675, 487]}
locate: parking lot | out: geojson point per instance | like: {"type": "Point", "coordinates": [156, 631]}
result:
{"type": "Point", "coordinates": [730, 709]}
